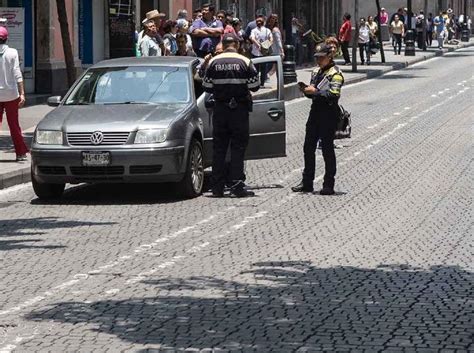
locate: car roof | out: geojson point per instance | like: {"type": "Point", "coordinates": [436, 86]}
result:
{"type": "Point", "coordinates": [181, 61]}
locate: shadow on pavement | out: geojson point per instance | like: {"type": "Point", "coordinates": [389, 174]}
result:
{"type": "Point", "coordinates": [34, 226]}
{"type": "Point", "coordinates": [7, 245]}
{"type": "Point", "coordinates": [285, 306]}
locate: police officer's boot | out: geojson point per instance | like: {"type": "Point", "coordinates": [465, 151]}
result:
{"type": "Point", "coordinates": [237, 190]}
{"type": "Point", "coordinates": [302, 187]}
{"type": "Point", "coordinates": [326, 190]}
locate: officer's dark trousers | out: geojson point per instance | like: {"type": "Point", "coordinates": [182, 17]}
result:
{"type": "Point", "coordinates": [321, 125]}
{"type": "Point", "coordinates": [230, 126]}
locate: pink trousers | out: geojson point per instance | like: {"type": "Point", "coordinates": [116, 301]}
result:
{"type": "Point", "coordinates": [11, 109]}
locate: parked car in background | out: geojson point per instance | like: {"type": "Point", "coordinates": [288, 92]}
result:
{"type": "Point", "coordinates": [142, 120]}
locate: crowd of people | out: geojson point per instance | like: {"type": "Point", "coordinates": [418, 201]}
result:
{"type": "Point", "coordinates": [202, 34]}
{"type": "Point", "coordinates": [444, 28]}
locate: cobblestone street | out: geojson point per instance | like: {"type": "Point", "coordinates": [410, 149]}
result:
{"type": "Point", "coordinates": [385, 265]}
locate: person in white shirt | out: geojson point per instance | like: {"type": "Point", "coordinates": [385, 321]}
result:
{"type": "Point", "coordinates": [12, 93]}
{"type": "Point", "coordinates": [262, 41]}
{"type": "Point", "coordinates": [148, 44]}
{"type": "Point", "coordinates": [364, 40]}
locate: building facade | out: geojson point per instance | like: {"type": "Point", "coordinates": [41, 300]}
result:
{"type": "Point", "coordinates": [102, 29]}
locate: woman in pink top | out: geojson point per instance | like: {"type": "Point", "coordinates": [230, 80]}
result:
{"type": "Point", "coordinates": [383, 16]}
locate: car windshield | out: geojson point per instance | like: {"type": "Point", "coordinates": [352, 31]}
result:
{"type": "Point", "coordinates": [132, 85]}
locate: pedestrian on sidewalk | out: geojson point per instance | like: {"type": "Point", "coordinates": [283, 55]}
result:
{"type": "Point", "coordinates": [440, 28]}
{"type": "Point", "coordinates": [325, 90]}
{"type": "Point", "coordinates": [429, 30]}
{"type": "Point", "coordinates": [262, 40]}
{"type": "Point", "coordinates": [12, 93]}
{"type": "Point", "coordinates": [419, 29]}
{"type": "Point", "coordinates": [345, 37]}
{"type": "Point", "coordinates": [277, 46]}
{"type": "Point", "coordinates": [374, 28]}
{"type": "Point", "coordinates": [148, 44]}
{"type": "Point", "coordinates": [397, 30]}
{"type": "Point", "coordinates": [364, 41]}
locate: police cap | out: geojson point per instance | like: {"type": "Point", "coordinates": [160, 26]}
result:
{"type": "Point", "coordinates": [323, 50]}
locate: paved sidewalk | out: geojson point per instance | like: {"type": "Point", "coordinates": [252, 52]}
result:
{"type": "Point", "coordinates": [13, 173]}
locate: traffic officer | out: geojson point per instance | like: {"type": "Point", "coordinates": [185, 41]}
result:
{"type": "Point", "coordinates": [230, 77]}
{"type": "Point", "coordinates": [324, 90]}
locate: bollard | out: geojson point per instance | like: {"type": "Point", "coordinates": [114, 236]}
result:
{"type": "Point", "coordinates": [289, 65]}
{"type": "Point", "coordinates": [465, 33]}
{"type": "Point", "coordinates": [410, 43]}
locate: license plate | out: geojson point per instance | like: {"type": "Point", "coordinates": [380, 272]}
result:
{"type": "Point", "coordinates": [96, 158]}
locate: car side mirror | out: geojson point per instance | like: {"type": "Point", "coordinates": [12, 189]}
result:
{"type": "Point", "coordinates": [54, 101]}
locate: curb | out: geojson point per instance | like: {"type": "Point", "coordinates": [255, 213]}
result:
{"type": "Point", "coordinates": [292, 91]}
{"type": "Point", "coordinates": [19, 176]}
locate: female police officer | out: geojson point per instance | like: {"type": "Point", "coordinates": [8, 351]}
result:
{"type": "Point", "coordinates": [324, 90]}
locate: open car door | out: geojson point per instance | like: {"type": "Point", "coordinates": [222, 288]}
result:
{"type": "Point", "coordinates": [267, 121]}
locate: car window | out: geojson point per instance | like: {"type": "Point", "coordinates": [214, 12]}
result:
{"type": "Point", "coordinates": [120, 85]}
{"type": "Point", "coordinates": [271, 89]}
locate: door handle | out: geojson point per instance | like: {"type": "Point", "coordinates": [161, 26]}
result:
{"type": "Point", "coordinates": [275, 114]}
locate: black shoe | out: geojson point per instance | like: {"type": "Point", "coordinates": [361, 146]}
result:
{"type": "Point", "coordinates": [241, 192]}
{"type": "Point", "coordinates": [326, 191]}
{"type": "Point", "coordinates": [217, 193]}
{"type": "Point", "coordinates": [302, 188]}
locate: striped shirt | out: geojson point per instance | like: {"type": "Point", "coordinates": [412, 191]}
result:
{"type": "Point", "coordinates": [230, 75]}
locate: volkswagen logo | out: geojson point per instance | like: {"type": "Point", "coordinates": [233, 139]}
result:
{"type": "Point", "coordinates": [97, 138]}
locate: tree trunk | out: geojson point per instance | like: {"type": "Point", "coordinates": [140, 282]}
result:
{"type": "Point", "coordinates": [67, 46]}
{"type": "Point", "coordinates": [355, 40]}
{"type": "Point", "coordinates": [379, 35]}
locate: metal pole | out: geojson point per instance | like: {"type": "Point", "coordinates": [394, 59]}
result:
{"type": "Point", "coordinates": [465, 31]}
{"type": "Point", "coordinates": [355, 40]}
{"type": "Point", "coordinates": [379, 35]}
{"type": "Point", "coordinates": [410, 34]}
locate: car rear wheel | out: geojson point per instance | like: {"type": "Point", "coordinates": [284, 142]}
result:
{"type": "Point", "coordinates": [193, 181]}
{"type": "Point", "coordinates": [47, 191]}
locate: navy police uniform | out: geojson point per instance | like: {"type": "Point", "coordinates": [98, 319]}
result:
{"type": "Point", "coordinates": [322, 124]}
{"type": "Point", "coordinates": [230, 77]}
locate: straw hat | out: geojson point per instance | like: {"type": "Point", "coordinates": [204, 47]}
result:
{"type": "Point", "coordinates": [150, 15]}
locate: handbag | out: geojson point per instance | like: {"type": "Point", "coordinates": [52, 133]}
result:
{"type": "Point", "coordinates": [266, 47]}
{"type": "Point", "coordinates": [344, 124]}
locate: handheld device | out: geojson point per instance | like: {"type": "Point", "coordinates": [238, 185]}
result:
{"type": "Point", "coordinates": [302, 85]}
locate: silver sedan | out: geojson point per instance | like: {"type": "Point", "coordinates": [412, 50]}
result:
{"type": "Point", "coordinates": [141, 120]}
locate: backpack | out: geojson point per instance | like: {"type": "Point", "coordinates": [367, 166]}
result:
{"type": "Point", "coordinates": [344, 124]}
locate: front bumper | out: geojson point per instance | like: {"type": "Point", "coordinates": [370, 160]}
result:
{"type": "Point", "coordinates": [133, 165]}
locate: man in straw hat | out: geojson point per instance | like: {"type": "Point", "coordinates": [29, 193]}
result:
{"type": "Point", "coordinates": [156, 17]}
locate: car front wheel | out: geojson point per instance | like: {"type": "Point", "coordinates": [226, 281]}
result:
{"type": "Point", "coordinates": [47, 191]}
{"type": "Point", "coordinates": [193, 181]}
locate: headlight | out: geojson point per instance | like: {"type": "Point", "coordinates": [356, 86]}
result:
{"type": "Point", "coordinates": [150, 136]}
{"type": "Point", "coordinates": [48, 137]}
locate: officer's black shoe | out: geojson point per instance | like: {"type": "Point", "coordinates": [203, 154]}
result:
{"type": "Point", "coordinates": [237, 190]}
{"type": "Point", "coordinates": [240, 192]}
{"type": "Point", "coordinates": [301, 187]}
{"type": "Point", "coordinates": [326, 191]}
{"type": "Point", "coordinates": [217, 193]}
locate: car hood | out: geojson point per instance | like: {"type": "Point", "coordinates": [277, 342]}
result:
{"type": "Point", "coordinates": [117, 118]}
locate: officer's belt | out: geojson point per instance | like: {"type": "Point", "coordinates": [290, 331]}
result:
{"type": "Point", "coordinates": [238, 100]}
